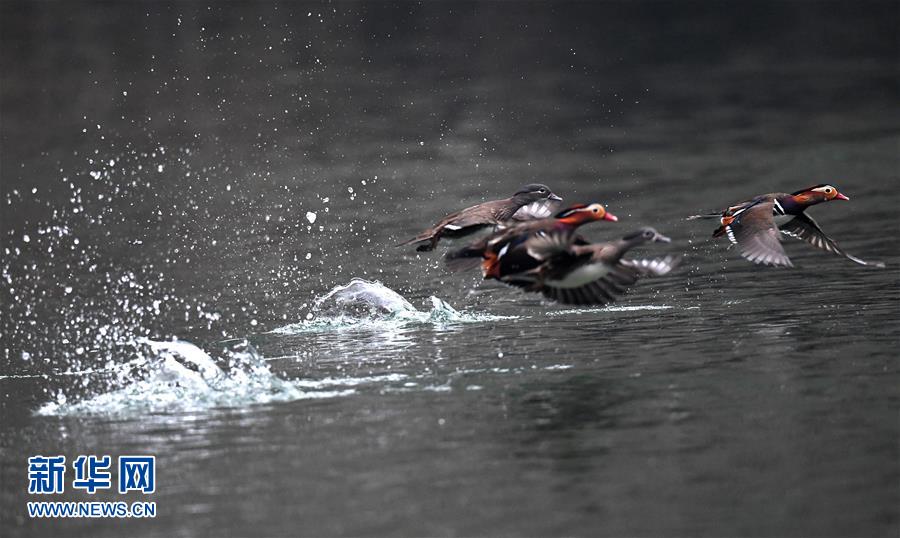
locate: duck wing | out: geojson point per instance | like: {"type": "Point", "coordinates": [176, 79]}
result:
{"type": "Point", "coordinates": [471, 219]}
{"type": "Point", "coordinates": [611, 281]}
{"type": "Point", "coordinates": [528, 252]}
{"type": "Point", "coordinates": [542, 255]}
{"type": "Point", "coordinates": [804, 228]}
{"type": "Point", "coordinates": [543, 245]}
{"type": "Point", "coordinates": [540, 209]}
{"type": "Point", "coordinates": [654, 266]}
{"type": "Point", "coordinates": [752, 228]}
{"type": "Point", "coordinates": [460, 224]}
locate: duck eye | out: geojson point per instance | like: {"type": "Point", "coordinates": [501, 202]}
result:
{"type": "Point", "coordinates": [595, 210]}
{"type": "Point", "coordinates": [542, 190]}
{"type": "Point", "coordinates": [828, 190]}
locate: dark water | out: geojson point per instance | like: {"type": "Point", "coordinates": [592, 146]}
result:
{"type": "Point", "coordinates": [162, 160]}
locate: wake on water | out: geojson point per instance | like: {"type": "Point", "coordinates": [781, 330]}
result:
{"type": "Point", "coordinates": [177, 376]}
{"type": "Point", "coordinates": [365, 305]}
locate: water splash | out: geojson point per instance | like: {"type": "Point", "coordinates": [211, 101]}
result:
{"type": "Point", "coordinates": [143, 376]}
{"type": "Point", "coordinates": [177, 376]}
{"type": "Point", "coordinates": [366, 305]}
{"type": "Point", "coordinates": [361, 298]}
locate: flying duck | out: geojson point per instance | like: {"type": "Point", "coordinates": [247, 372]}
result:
{"type": "Point", "coordinates": [757, 225]}
{"type": "Point", "coordinates": [475, 218]}
{"type": "Point", "coordinates": [584, 274]}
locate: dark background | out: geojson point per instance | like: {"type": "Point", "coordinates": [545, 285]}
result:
{"type": "Point", "coordinates": [161, 160]}
{"type": "Point", "coordinates": [258, 111]}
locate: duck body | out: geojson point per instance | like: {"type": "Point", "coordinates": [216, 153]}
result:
{"type": "Point", "coordinates": [757, 225]}
{"type": "Point", "coordinates": [570, 272]}
{"type": "Point", "coordinates": [478, 217]}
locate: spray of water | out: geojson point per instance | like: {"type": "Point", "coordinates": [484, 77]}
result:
{"type": "Point", "coordinates": [365, 305]}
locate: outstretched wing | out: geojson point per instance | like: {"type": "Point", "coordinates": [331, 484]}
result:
{"type": "Point", "coordinates": [753, 230]}
{"type": "Point", "coordinates": [804, 228]}
{"type": "Point", "coordinates": [543, 245]}
{"type": "Point", "coordinates": [469, 220]}
{"type": "Point", "coordinates": [528, 252]}
{"type": "Point", "coordinates": [654, 266]}
{"type": "Point", "coordinates": [611, 282]}
{"type": "Point", "coordinates": [459, 224]}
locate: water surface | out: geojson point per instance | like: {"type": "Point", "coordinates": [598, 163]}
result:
{"type": "Point", "coordinates": [209, 173]}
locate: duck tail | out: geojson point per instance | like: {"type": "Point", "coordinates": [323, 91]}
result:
{"type": "Point", "coordinates": [424, 241]}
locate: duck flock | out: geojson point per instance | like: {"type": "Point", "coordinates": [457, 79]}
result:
{"type": "Point", "coordinates": [533, 249]}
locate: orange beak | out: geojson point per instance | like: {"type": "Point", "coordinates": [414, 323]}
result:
{"type": "Point", "coordinates": [610, 217]}
{"type": "Point", "coordinates": [840, 196]}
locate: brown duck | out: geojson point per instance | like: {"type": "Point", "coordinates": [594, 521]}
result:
{"type": "Point", "coordinates": [478, 217]}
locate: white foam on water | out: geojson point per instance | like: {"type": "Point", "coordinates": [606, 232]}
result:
{"type": "Point", "coordinates": [178, 377]}
{"type": "Point", "coordinates": [365, 305]}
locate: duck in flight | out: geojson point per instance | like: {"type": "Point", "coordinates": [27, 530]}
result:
{"type": "Point", "coordinates": [567, 271]}
{"type": "Point", "coordinates": [756, 226]}
{"type": "Point", "coordinates": [475, 218]}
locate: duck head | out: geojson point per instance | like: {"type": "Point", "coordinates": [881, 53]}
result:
{"type": "Point", "coordinates": [818, 194]}
{"type": "Point", "coordinates": [579, 214]}
{"type": "Point", "coordinates": [645, 235]}
{"type": "Point", "coordinates": [534, 192]}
